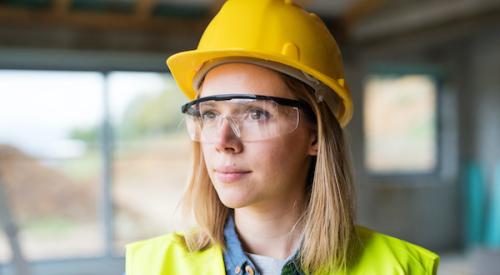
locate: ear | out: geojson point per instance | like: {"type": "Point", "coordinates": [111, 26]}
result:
{"type": "Point", "coordinates": [313, 142]}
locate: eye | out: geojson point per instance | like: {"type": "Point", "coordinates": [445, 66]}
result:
{"type": "Point", "coordinates": [258, 114]}
{"type": "Point", "coordinates": [208, 115]}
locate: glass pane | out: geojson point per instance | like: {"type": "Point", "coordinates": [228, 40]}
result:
{"type": "Point", "coordinates": [400, 123]}
{"type": "Point", "coordinates": [49, 154]}
{"type": "Point", "coordinates": [151, 154]}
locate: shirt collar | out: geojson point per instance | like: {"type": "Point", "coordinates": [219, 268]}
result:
{"type": "Point", "coordinates": [235, 257]}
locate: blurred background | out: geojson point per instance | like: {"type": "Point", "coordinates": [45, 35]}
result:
{"type": "Point", "coordinates": [93, 153]}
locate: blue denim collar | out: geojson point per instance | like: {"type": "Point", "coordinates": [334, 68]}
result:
{"type": "Point", "coordinates": [235, 258]}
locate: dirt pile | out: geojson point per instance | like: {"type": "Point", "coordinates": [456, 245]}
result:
{"type": "Point", "coordinates": [36, 190]}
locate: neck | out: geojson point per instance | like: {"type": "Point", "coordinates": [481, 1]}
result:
{"type": "Point", "coordinates": [270, 231]}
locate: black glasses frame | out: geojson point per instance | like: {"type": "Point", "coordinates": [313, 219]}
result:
{"type": "Point", "coordinates": [185, 109]}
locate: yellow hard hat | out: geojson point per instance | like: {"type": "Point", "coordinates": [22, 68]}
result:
{"type": "Point", "coordinates": [274, 32]}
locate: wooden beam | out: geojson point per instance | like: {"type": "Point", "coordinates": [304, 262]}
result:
{"type": "Point", "coordinates": [361, 10]}
{"type": "Point", "coordinates": [421, 15]}
{"type": "Point", "coordinates": [144, 8]}
{"type": "Point", "coordinates": [61, 7]}
{"type": "Point", "coordinates": [10, 16]}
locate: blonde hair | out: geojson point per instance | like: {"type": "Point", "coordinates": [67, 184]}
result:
{"type": "Point", "coordinates": [328, 222]}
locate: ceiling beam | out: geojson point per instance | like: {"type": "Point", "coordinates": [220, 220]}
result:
{"type": "Point", "coordinates": [61, 7]}
{"type": "Point", "coordinates": [417, 16]}
{"type": "Point", "coordinates": [360, 10]}
{"type": "Point", "coordinates": [59, 16]}
{"type": "Point", "coordinates": [144, 8]}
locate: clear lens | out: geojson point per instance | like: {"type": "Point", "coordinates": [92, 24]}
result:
{"type": "Point", "coordinates": [248, 119]}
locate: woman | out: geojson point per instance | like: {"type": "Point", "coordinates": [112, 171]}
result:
{"type": "Point", "coordinates": [270, 188]}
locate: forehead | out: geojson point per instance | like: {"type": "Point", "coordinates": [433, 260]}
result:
{"type": "Point", "coordinates": [235, 78]}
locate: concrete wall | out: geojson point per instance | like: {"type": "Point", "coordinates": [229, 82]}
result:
{"type": "Point", "coordinates": [427, 210]}
{"type": "Point", "coordinates": [485, 78]}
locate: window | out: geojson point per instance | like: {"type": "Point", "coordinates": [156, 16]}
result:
{"type": "Point", "coordinates": [76, 144]}
{"type": "Point", "coordinates": [49, 174]}
{"type": "Point", "coordinates": [400, 123]}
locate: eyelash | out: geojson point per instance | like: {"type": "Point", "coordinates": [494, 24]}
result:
{"type": "Point", "coordinates": [251, 111]}
{"type": "Point", "coordinates": [260, 112]}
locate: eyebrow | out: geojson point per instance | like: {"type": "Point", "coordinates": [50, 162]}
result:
{"type": "Point", "coordinates": [234, 106]}
{"type": "Point", "coordinates": [283, 101]}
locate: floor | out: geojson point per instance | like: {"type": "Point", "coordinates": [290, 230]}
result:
{"type": "Point", "coordinates": [480, 261]}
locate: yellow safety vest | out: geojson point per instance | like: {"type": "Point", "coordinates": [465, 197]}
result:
{"type": "Point", "coordinates": [381, 255]}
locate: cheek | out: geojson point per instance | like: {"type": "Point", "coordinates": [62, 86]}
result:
{"type": "Point", "coordinates": [209, 155]}
{"type": "Point", "coordinates": [281, 159]}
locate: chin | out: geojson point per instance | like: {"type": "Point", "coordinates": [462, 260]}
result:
{"type": "Point", "coordinates": [233, 199]}
{"type": "Point", "coordinates": [233, 205]}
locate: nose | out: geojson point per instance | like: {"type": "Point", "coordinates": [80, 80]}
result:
{"type": "Point", "coordinates": [227, 139]}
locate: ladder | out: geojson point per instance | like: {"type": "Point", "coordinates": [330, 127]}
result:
{"type": "Point", "coordinates": [10, 229]}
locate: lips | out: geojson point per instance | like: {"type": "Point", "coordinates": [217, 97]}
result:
{"type": "Point", "coordinates": [230, 174]}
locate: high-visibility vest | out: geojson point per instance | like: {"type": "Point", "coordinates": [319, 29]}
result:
{"type": "Point", "coordinates": [380, 255]}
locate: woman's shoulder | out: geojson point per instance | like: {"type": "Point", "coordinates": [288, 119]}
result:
{"type": "Point", "coordinates": [391, 255]}
{"type": "Point", "coordinates": [171, 241]}
{"type": "Point", "coordinates": [168, 254]}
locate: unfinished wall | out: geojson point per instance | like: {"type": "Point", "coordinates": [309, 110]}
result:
{"type": "Point", "coordinates": [428, 210]}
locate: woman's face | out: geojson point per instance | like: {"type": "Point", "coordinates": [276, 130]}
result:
{"type": "Point", "coordinates": [258, 173]}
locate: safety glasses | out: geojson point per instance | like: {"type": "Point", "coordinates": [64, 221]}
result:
{"type": "Point", "coordinates": [249, 117]}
